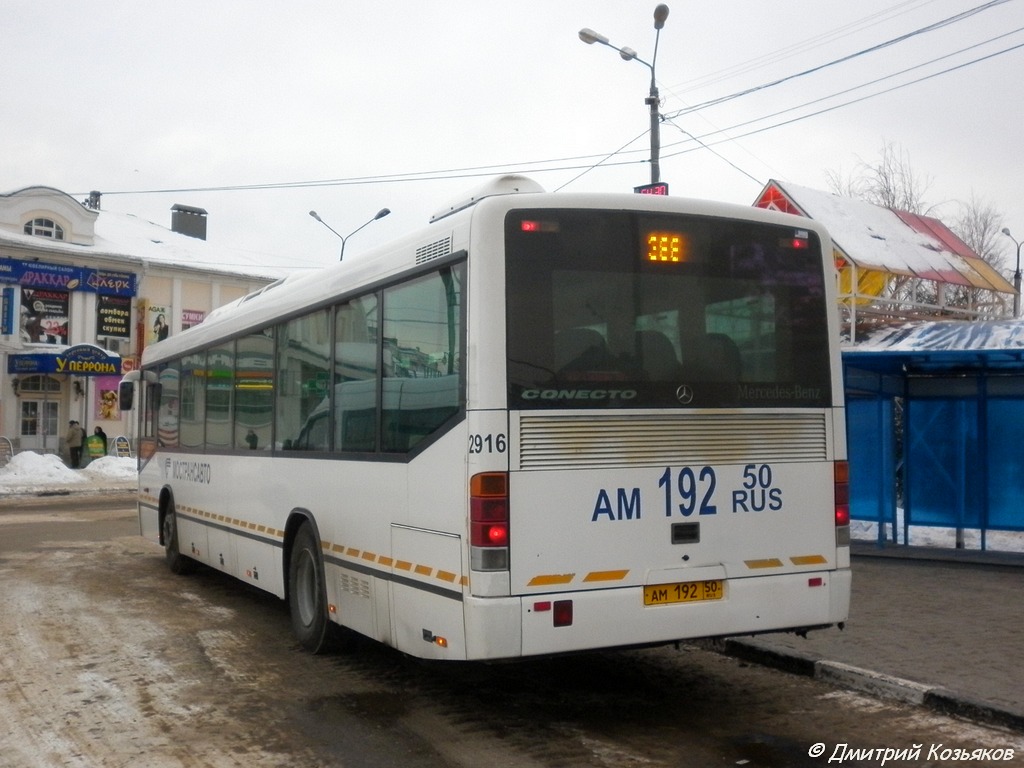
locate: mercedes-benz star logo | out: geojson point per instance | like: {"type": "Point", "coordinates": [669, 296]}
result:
{"type": "Point", "coordinates": [684, 394]}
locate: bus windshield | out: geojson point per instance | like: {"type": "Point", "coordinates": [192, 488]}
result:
{"type": "Point", "coordinates": [627, 309]}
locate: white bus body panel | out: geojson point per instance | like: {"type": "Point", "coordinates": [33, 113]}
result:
{"type": "Point", "coordinates": [393, 567]}
{"type": "Point", "coordinates": [603, 528]}
{"type": "Point", "coordinates": [750, 605]}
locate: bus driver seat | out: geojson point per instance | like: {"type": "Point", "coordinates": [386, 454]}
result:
{"type": "Point", "coordinates": [580, 349]}
{"type": "Point", "coordinates": [657, 356]}
{"type": "Point", "coordinates": [716, 358]}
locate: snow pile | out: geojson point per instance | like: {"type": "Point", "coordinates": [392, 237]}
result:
{"type": "Point", "coordinates": [112, 468]}
{"type": "Point", "coordinates": [28, 470]}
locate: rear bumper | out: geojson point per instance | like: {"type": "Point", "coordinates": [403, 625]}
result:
{"type": "Point", "coordinates": [618, 617]}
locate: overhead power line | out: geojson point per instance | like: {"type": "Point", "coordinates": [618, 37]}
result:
{"type": "Point", "coordinates": [878, 80]}
{"type": "Point", "coordinates": [582, 162]}
{"type": "Point", "coordinates": [846, 103]}
{"type": "Point", "coordinates": [432, 175]}
{"type": "Point", "coordinates": [849, 57]}
{"type": "Point", "coordinates": [816, 41]}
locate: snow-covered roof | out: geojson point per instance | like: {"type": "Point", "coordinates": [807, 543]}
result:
{"type": "Point", "coordinates": [940, 347]}
{"type": "Point", "coordinates": [947, 335]}
{"type": "Point", "coordinates": [899, 243]}
{"type": "Point", "coordinates": [125, 237]}
{"type": "Point", "coordinates": [129, 235]}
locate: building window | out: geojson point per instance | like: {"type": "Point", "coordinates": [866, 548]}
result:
{"type": "Point", "coordinates": [38, 384]}
{"type": "Point", "coordinates": [44, 228]}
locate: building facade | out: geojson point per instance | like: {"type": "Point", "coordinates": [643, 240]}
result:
{"type": "Point", "coordinates": [84, 291]}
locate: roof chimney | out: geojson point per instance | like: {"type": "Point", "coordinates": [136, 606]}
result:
{"type": "Point", "coordinates": [187, 220]}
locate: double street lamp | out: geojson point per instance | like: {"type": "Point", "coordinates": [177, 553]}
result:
{"type": "Point", "coordinates": [590, 37]}
{"type": "Point", "coordinates": [379, 215]}
{"type": "Point", "coordinates": [1016, 275]}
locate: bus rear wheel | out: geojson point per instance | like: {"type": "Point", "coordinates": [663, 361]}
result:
{"type": "Point", "coordinates": [307, 593]}
{"type": "Point", "coordinates": [177, 562]}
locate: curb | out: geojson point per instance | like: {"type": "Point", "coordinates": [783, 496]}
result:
{"type": "Point", "coordinates": [61, 494]}
{"type": "Point", "coordinates": [934, 698]}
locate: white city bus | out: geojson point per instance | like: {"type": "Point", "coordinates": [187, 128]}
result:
{"type": "Point", "coordinates": [544, 423]}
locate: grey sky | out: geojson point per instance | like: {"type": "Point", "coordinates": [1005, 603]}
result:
{"type": "Point", "coordinates": [131, 96]}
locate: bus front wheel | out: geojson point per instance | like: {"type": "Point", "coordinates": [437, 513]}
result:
{"type": "Point", "coordinates": [177, 562]}
{"type": "Point", "coordinates": [307, 594]}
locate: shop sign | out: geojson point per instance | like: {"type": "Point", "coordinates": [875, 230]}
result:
{"type": "Point", "coordinates": [114, 316]}
{"type": "Point", "coordinates": [79, 360]}
{"type": "Point", "coordinates": [65, 277]}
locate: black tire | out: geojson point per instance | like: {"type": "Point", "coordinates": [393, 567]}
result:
{"type": "Point", "coordinates": [177, 562]}
{"type": "Point", "coordinates": [307, 593]}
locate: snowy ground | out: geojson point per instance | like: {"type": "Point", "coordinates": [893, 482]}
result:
{"type": "Point", "coordinates": [943, 538]}
{"type": "Point", "coordinates": [29, 472]}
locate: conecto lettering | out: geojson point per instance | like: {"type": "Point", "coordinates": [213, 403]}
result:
{"type": "Point", "coordinates": [579, 394]}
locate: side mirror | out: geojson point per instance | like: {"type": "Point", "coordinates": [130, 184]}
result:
{"type": "Point", "coordinates": [126, 395]}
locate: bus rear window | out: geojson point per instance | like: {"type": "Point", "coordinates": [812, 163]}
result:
{"type": "Point", "coordinates": [629, 309]}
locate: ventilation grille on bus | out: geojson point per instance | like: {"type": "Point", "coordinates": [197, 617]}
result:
{"type": "Point", "coordinates": [581, 442]}
{"type": "Point", "coordinates": [434, 250]}
{"type": "Point", "coordinates": [354, 585]}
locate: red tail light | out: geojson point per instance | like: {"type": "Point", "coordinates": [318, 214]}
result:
{"type": "Point", "coordinates": [488, 521]}
{"type": "Point", "coordinates": [842, 493]}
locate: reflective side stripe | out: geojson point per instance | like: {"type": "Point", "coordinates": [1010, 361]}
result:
{"type": "Point", "coordinates": [808, 560]}
{"type": "Point", "coordinates": [768, 562]}
{"type": "Point", "coordinates": [552, 579]}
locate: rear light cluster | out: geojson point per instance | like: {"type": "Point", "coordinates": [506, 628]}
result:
{"type": "Point", "coordinates": [488, 521]}
{"type": "Point", "coordinates": [561, 611]}
{"type": "Point", "coordinates": [842, 494]}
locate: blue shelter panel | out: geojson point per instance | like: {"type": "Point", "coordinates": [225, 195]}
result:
{"type": "Point", "coordinates": [944, 463]}
{"type": "Point", "coordinates": [1005, 421]}
{"type": "Point", "coordinates": [870, 445]}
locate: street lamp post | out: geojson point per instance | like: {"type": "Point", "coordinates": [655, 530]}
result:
{"type": "Point", "coordinates": [653, 100]}
{"type": "Point", "coordinates": [344, 238]}
{"type": "Point", "coordinates": [1016, 275]}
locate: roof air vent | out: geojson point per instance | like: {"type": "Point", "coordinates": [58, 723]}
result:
{"type": "Point", "coordinates": [434, 250]}
{"type": "Point", "coordinates": [511, 184]}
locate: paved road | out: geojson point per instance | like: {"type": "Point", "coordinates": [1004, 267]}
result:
{"type": "Point", "coordinates": [927, 626]}
{"type": "Point", "coordinates": [111, 660]}
{"type": "Point", "coordinates": [941, 620]}
{"type": "Point", "coordinates": [71, 517]}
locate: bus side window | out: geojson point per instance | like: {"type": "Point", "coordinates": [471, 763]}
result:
{"type": "Point", "coordinates": [357, 358]}
{"type": "Point", "coordinates": [254, 391]}
{"type": "Point", "coordinates": [152, 402]}
{"type": "Point", "coordinates": [302, 379]}
{"type": "Point", "coordinates": [422, 359]}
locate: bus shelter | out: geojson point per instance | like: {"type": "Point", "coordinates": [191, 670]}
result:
{"type": "Point", "coordinates": [935, 414]}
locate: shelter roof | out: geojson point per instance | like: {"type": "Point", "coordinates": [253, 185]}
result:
{"type": "Point", "coordinates": [942, 346]}
{"type": "Point", "coordinates": [884, 240]}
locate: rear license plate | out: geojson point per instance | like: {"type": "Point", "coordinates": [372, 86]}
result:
{"type": "Point", "coordinates": [683, 592]}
